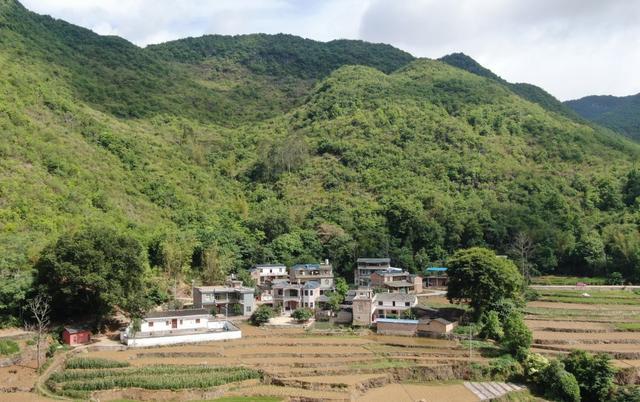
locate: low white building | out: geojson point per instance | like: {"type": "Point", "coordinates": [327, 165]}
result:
{"type": "Point", "coordinates": [179, 326]}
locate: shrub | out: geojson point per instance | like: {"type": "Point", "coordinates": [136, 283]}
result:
{"type": "Point", "coordinates": [626, 394]}
{"type": "Point", "coordinates": [558, 384]}
{"type": "Point", "coordinates": [409, 314]}
{"type": "Point", "coordinates": [237, 309]}
{"type": "Point", "coordinates": [8, 347]}
{"type": "Point", "coordinates": [262, 315]}
{"type": "Point", "coordinates": [594, 373]}
{"type": "Point", "coordinates": [517, 337]}
{"type": "Point", "coordinates": [302, 314]}
{"type": "Point", "coordinates": [615, 278]}
{"type": "Point", "coordinates": [534, 365]}
{"type": "Point", "coordinates": [490, 326]}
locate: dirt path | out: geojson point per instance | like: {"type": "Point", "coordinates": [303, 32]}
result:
{"type": "Point", "coordinates": [41, 387]}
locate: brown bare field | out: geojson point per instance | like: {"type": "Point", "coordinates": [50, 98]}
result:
{"type": "Point", "coordinates": [581, 306]}
{"type": "Point", "coordinates": [415, 392]}
{"type": "Point", "coordinates": [568, 326]}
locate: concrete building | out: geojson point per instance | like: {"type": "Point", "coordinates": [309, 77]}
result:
{"type": "Point", "coordinates": [264, 275]}
{"type": "Point", "coordinates": [385, 326]}
{"type": "Point", "coordinates": [396, 280]}
{"type": "Point", "coordinates": [232, 299]}
{"type": "Point", "coordinates": [436, 277]}
{"type": "Point", "coordinates": [367, 309]}
{"type": "Point", "coordinates": [437, 326]}
{"type": "Point", "coordinates": [75, 336]}
{"type": "Point", "coordinates": [179, 326]}
{"type": "Point", "coordinates": [288, 296]}
{"type": "Point", "coordinates": [367, 266]}
{"type": "Point", "coordinates": [321, 273]}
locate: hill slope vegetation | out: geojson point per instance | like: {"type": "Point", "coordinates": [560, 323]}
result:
{"type": "Point", "coordinates": [261, 148]}
{"type": "Point", "coordinates": [621, 114]}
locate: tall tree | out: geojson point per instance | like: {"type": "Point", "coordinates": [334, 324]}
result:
{"type": "Point", "coordinates": [480, 277]}
{"type": "Point", "coordinates": [522, 248]}
{"type": "Point", "coordinates": [89, 272]}
{"type": "Point", "coordinates": [39, 307]}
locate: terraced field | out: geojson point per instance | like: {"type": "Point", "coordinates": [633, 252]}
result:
{"type": "Point", "coordinates": [281, 363]}
{"type": "Point", "coordinates": [600, 321]}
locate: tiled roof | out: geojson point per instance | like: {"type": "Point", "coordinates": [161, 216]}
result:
{"type": "Point", "coordinates": [398, 284]}
{"type": "Point", "coordinates": [228, 289]}
{"type": "Point", "coordinates": [396, 321]}
{"type": "Point", "coordinates": [311, 285]}
{"type": "Point", "coordinates": [73, 330]}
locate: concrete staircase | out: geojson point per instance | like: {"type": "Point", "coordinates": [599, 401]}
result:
{"type": "Point", "coordinates": [491, 390]}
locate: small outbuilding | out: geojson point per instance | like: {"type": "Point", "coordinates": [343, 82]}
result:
{"type": "Point", "coordinates": [75, 336]}
{"type": "Point", "coordinates": [438, 326]}
{"type": "Point", "coordinates": [388, 326]}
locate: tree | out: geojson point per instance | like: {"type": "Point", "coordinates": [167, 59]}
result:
{"type": "Point", "coordinates": [342, 287]}
{"type": "Point", "coordinates": [477, 275]}
{"type": "Point", "coordinates": [490, 326]}
{"type": "Point", "coordinates": [631, 187]}
{"type": "Point", "coordinates": [517, 337]}
{"type": "Point", "coordinates": [215, 266]}
{"type": "Point", "coordinates": [522, 249]}
{"type": "Point", "coordinates": [136, 326]}
{"type": "Point", "coordinates": [558, 384]}
{"type": "Point", "coordinates": [39, 307]}
{"type": "Point", "coordinates": [594, 373]}
{"type": "Point", "coordinates": [177, 250]}
{"type": "Point", "coordinates": [302, 314]}
{"type": "Point", "coordinates": [88, 273]}
{"type": "Point", "coordinates": [262, 315]}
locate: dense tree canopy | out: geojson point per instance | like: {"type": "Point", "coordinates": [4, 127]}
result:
{"type": "Point", "coordinates": [483, 279]}
{"type": "Point", "coordinates": [90, 272]}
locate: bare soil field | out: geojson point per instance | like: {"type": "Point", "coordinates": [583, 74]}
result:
{"type": "Point", "coordinates": [415, 392]}
{"type": "Point", "coordinates": [583, 306]}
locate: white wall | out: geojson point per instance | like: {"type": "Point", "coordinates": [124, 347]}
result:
{"type": "Point", "coordinates": [170, 340]}
{"type": "Point", "coordinates": [164, 324]}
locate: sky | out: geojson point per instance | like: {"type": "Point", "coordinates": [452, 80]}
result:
{"type": "Point", "coordinates": [571, 48]}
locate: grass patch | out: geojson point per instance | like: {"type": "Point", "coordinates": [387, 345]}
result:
{"type": "Point", "coordinates": [628, 326]}
{"type": "Point", "coordinates": [93, 363]}
{"type": "Point", "coordinates": [590, 300]}
{"type": "Point", "coordinates": [150, 377]}
{"type": "Point", "coordinates": [8, 347]}
{"type": "Point", "coordinates": [567, 280]}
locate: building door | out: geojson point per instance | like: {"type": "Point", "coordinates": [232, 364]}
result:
{"type": "Point", "coordinates": [174, 323]}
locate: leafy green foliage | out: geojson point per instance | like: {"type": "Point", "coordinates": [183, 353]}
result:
{"type": "Point", "coordinates": [595, 374]}
{"type": "Point", "coordinates": [558, 384]}
{"type": "Point", "coordinates": [517, 336]}
{"type": "Point", "coordinates": [262, 315]}
{"type": "Point", "coordinates": [89, 272]}
{"type": "Point", "coordinates": [617, 113]}
{"type": "Point", "coordinates": [302, 314]}
{"type": "Point", "coordinates": [8, 347]}
{"type": "Point", "coordinates": [482, 278]}
{"type": "Point", "coordinates": [93, 363]}
{"type": "Point", "coordinates": [414, 159]}
{"type": "Point", "coordinates": [491, 328]}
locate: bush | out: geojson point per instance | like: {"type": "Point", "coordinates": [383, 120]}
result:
{"type": "Point", "coordinates": [8, 347]}
{"type": "Point", "coordinates": [531, 294]}
{"type": "Point", "coordinates": [534, 365]}
{"type": "Point", "coordinates": [594, 373]}
{"type": "Point", "coordinates": [558, 384]}
{"type": "Point", "coordinates": [627, 394]}
{"type": "Point", "coordinates": [490, 326]}
{"type": "Point", "coordinates": [262, 315]}
{"type": "Point", "coordinates": [302, 314]}
{"type": "Point", "coordinates": [237, 309]}
{"type": "Point", "coordinates": [517, 337]}
{"type": "Point", "coordinates": [615, 279]}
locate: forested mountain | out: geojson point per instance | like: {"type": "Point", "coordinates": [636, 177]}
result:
{"type": "Point", "coordinates": [529, 92]}
{"type": "Point", "coordinates": [266, 148]}
{"type": "Point", "coordinates": [621, 114]}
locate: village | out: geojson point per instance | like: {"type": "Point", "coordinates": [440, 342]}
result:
{"type": "Point", "coordinates": [383, 297]}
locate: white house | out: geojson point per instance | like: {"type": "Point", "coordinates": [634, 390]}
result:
{"type": "Point", "coordinates": [179, 326]}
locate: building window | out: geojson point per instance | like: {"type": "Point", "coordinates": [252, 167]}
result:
{"type": "Point", "coordinates": [379, 303]}
{"type": "Point", "coordinates": [394, 304]}
{"type": "Point", "coordinates": [406, 304]}
{"type": "Point", "coordinates": [247, 309]}
{"type": "Point", "coordinates": [311, 304]}
{"type": "Point", "coordinates": [168, 323]}
{"type": "Point", "coordinates": [197, 321]}
{"type": "Point", "coordinates": [150, 323]}
{"type": "Point", "coordinates": [180, 322]}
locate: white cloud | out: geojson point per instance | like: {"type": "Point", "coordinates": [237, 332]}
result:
{"type": "Point", "coordinates": [571, 48]}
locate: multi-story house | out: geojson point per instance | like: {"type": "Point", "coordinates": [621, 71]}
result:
{"type": "Point", "coordinates": [367, 266]}
{"type": "Point", "coordinates": [368, 308]}
{"type": "Point", "coordinates": [232, 299]}
{"type": "Point", "coordinates": [321, 273]}
{"type": "Point", "coordinates": [289, 296]}
{"type": "Point", "coordinates": [264, 275]}
{"type": "Point", "coordinates": [396, 280]}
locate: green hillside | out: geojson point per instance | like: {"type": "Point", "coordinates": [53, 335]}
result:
{"type": "Point", "coordinates": [529, 92]}
{"type": "Point", "coordinates": [272, 148]}
{"type": "Point", "coordinates": [621, 114]}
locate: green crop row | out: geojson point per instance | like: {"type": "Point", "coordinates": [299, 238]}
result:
{"type": "Point", "coordinates": [70, 375]}
{"type": "Point", "coordinates": [173, 382]}
{"type": "Point", "coordinates": [93, 363]}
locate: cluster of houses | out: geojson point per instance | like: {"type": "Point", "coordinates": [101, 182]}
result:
{"type": "Point", "coordinates": [382, 296]}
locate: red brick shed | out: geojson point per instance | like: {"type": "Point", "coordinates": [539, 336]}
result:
{"type": "Point", "coordinates": [75, 336]}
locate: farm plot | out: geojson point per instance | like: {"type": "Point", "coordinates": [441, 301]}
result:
{"type": "Point", "coordinates": [604, 321]}
{"type": "Point", "coordinates": [296, 365]}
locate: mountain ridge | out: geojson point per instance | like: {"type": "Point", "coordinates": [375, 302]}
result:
{"type": "Point", "coordinates": [619, 113]}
